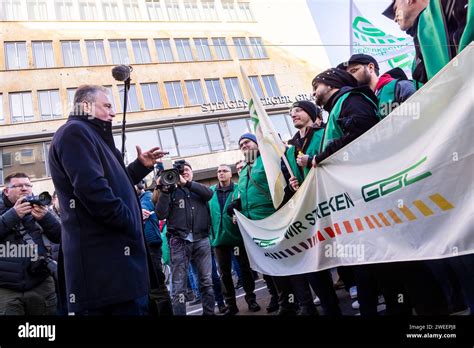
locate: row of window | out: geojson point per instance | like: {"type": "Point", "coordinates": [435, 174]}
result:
{"type": "Point", "coordinates": [50, 105]}
{"type": "Point", "coordinates": [180, 141]}
{"type": "Point", "coordinates": [130, 10]}
{"type": "Point", "coordinates": [16, 56]}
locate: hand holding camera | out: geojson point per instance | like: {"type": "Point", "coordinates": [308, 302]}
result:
{"type": "Point", "coordinates": [22, 208]}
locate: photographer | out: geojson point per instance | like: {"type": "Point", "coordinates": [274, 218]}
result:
{"type": "Point", "coordinates": [183, 203]}
{"type": "Point", "coordinates": [26, 282]}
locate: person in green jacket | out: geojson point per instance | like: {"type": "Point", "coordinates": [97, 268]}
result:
{"type": "Point", "coordinates": [255, 202]}
{"type": "Point", "coordinates": [440, 29]}
{"type": "Point", "coordinates": [306, 142]}
{"type": "Point", "coordinates": [392, 88]}
{"type": "Point", "coordinates": [226, 239]}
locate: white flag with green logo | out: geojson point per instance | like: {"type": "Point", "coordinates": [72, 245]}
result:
{"type": "Point", "coordinates": [270, 145]}
{"type": "Point", "coordinates": [389, 51]}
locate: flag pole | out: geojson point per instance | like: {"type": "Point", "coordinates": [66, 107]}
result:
{"type": "Point", "coordinates": [351, 22]}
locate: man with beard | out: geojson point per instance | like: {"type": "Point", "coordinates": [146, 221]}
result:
{"type": "Point", "coordinates": [392, 88]}
{"type": "Point", "coordinates": [440, 29]}
{"type": "Point", "coordinates": [352, 110]}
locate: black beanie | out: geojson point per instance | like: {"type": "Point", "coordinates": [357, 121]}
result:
{"type": "Point", "coordinates": [311, 109]}
{"type": "Point", "coordinates": [336, 78]}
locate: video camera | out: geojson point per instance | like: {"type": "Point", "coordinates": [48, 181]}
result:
{"type": "Point", "coordinates": [43, 199]}
{"type": "Point", "coordinates": [170, 177]}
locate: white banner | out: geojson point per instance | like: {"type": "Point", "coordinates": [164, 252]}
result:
{"type": "Point", "coordinates": [402, 191]}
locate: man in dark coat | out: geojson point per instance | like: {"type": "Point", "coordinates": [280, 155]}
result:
{"type": "Point", "coordinates": [105, 258]}
{"type": "Point", "coordinates": [26, 282]}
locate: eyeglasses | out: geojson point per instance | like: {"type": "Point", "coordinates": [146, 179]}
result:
{"type": "Point", "coordinates": [21, 185]}
{"type": "Point", "coordinates": [223, 171]}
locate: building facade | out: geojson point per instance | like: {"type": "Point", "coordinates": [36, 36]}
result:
{"type": "Point", "coordinates": [187, 93]}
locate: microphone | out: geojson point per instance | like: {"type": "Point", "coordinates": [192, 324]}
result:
{"type": "Point", "coordinates": [121, 72]}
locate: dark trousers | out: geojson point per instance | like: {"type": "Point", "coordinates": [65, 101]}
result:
{"type": "Point", "coordinates": [404, 285]}
{"type": "Point", "coordinates": [300, 287]}
{"type": "Point", "coordinates": [160, 299]}
{"type": "Point", "coordinates": [286, 295]}
{"type": "Point", "coordinates": [224, 261]}
{"type": "Point", "coordinates": [271, 287]}
{"type": "Point", "coordinates": [323, 287]}
{"type": "Point", "coordinates": [216, 282]}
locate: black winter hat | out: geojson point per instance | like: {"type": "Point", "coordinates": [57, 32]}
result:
{"type": "Point", "coordinates": [311, 109]}
{"type": "Point", "coordinates": [363, 59]}
{"type": "Point", "coordinates": [389, 12]}
{"type": "Point", "coordinates": [336, 78]}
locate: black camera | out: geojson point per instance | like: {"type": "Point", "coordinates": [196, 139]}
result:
{"type": "Point", "coordinates": [43, 199]}
{"type": "Point", "coordinates": [44, 263]}
{"type": "Point", "coordinates": [170, 177]}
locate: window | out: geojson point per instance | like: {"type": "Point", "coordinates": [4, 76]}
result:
{"type": "Point", "coordinates": [163, 48]}
{"type": "Point", "coordinates": [88, 10]}
{"type": "Point", "coordinates": [132, 101]}
{"type": "Point", "coordinates": [37, 10]}
{"type": "Point", "coordinates": [214, 90]}
{"type": "Point", "coordinates": [155, 13]}
{"type": "Point", "coordinates": [192, 140]}
{"type": "Point", "coordinates": [50, 104]}
{"type": "Point", "coordinates": [220, 47]}
{"type": "Point", "coordinates": [242, 48]}
{"type": "Point", "coordinates": [209, 10]}
{"type": "Point", "coordinates": [132, 12]}
{"type": "Point", "coordinates": [230, 10]}
{"type": "Point", "coordinates": [233, 89]}
{"type": "Point", "coordinates": [236, 128]}
{"type": "Point", "coordinates": [7, 159]}
{"type": "Point", "coordinates": [271, 85]}
{"type": "Point", "coordinates": [151, 95]}
{"type": "Point", "coordinates": [2, 115]}
{"type": "Point", "coordinates": [168, 141]}
{"type": "Point", "coordinates": [141, 52]}
{"type": "Point", "coordinates": [202, 48]}
{"type": "Point", "coordinates": [172, 8]}
{"type": "Point", "coordinates": [282, 128]}
{"type": "Point", "coordinates": [257, 86]}
{"type": "Point", "coordinates": [146, 139]}
{"type": "Point", "coordinates": [258, 48]}
{"type": "Point", "coordinates": [245, 12]}
{"type": "Point", "coordinates": [215, 136]}
{"type": "Point", "coordinates": [16, 55]}
{"type": "Point", "coordinates": [21, 107]}
{"type": "Point", "coordinates": [71, 53]}
{"type": "Point", "coordinates": [184, 50]}
{"type": "Point", "coordinates": [192, 11]}
{"type": "Point", "coordinates": [111, 10]}
{"type": "Point", "coordinates": [194, 89]}
{"type": "Point", "coordinates": [111, 96]}
{"type": "Point", "coordinates": [174, 93]}
{"type": "Point", "coordinates": [95, 52]}
{"type": "Point", "coordinates": [119, 52]}
{"type": "Point", "coordinates": [43, 54]}
{"type": "Point", "coordinates": [10, 10]}
{"type": "Point", "coordinates": [64, 10]}
{"type": "Point", "coordinates": [28, 158]}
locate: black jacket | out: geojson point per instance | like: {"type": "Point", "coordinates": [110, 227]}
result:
{"type": "Point", "coordinates": [105, 260]}
{"type": "Point", "coordinates": [16, 273]}
{"type": "Point", "coordinates": [357, 116]}
{"type": "Point", "coordinates": [186, 210]}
